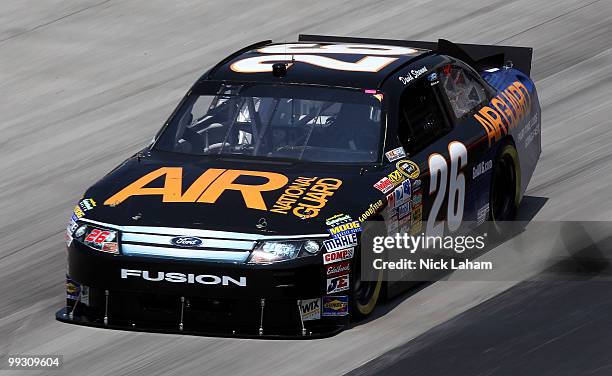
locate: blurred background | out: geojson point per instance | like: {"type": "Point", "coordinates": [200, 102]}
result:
{"type": "Point", "coordinates": [85, 84]}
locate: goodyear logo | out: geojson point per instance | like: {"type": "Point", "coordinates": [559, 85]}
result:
{"type": "Point", "coordinates": [371, 210]}
{"type": "Point", "coordinates": [505, 111]}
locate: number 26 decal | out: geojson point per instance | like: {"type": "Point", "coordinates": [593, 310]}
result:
{"type": "Point", "coordinates": [438, 170]}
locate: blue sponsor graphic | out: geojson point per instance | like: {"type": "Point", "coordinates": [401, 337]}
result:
{"type": "Point", "coordinates": [403, 210]}
{"type": "Point", "coordinates": [345, 229]}
{"type": "Point", "coordinates": [335, 305]}
{"type": "Point", "coordinates": [186, 241]}
{"type": "Point", "coordinates": [407, 188]}
{"type": "Point", "coordinates": [340, 242]}
{"type": "Point", "coordinates": [73, 289]}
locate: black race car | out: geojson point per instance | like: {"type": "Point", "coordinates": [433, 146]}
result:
{"type": "Point", "coordinates": [245, 214]}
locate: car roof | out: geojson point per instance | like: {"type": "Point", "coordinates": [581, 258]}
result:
{"type": "Point", "coordinates": [329, 63]}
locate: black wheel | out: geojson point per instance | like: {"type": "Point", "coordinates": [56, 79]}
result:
{"type": "Point", "coordinates": [366, 293]}
{"type": "Point", "coordinates": [505, 187]}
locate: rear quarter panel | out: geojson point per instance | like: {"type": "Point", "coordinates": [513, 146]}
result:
{"type": "Point", "coordinates": [518, 110]}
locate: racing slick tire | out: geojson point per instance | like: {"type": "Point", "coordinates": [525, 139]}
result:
{"type": "Point", "coordinates": [365, 294]}
{"type": "Point", "coordinates": [505, 194]}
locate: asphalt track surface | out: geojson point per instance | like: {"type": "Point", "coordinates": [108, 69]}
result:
{"type": "Point", "coordinates": [83, 85]}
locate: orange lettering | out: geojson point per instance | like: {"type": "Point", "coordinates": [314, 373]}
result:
{"type": "Point", "coordinates": [488, 127]}
{"type": "Point", "coordinates": [250, 193]}
{"type": "Point", "coordinates": [171, 188]}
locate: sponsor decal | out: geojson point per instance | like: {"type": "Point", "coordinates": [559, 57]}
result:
{"type": "Point", "coordinates": [339, 268]}
{"type": "Point", "coordinates": [70, 228]}
{"type": "Point", "coordinates": [384, 185]}
{"type": "Point", "coordinates": [73, 289]}
{"type": "Point", "coordinates": [481, 168]}
{"type": "Point", "coordinates": [400, 195]}
{"type": "Point", "coordinates": [83, 206]}
{"type": "Point", "coordinates": [186, 241]}
{"type": "Point", "coordinates": [203, 279]}
{"type": "Point", "coordinates": [310, 309]}
{"type": "Point", "coordinates": [98, 236]}
{"type": "Point", "coordinates": [341, 242]}
{"type": "Point", "coordinates": [335, 306]}
{"type": "Point", "coordinates": [417, 198]}
{"type": "Point", "coordinates": [207, 188]}
{"type": "Point", "coordinates": [396, 177]}
{"type": "Point", "coordinates": [85, 295]}
{"type": "Point", "coordinates": [406, 189]}
{"type": "Point", "coordinates": [404, 223]}
{"type": "Point", "coordinates": [412, 75]}
{"type": "Point", "coordinates": [416, 185]}
{"type": "Point", "coordinates": [338, 218]}
{"type": "Point", "coordinates": [72, 225]}
{"type": "Point", "coordinates": [530, 130]}
{"type": "Point", "coordinates": [408, 168]}
{"type": "Point", "coordinates": [403, 210]}
{"type": "Point", "coordinates": [505, 111]}
{"type": "Point", "coordinates": [391, 200]}
{"type": "Point", "coordinates": [392, 225]}
{"type": "Point", "coordinates": [336, 256]}
{"type": "Point", "coordinates": [483, 214]}
{"type": "Point", "coordinates": [372, 209]}
{"type": "Point", "coordinates": [305, 197]}
{"type": "Point", "coordinates": [337, 284]}
{"type": "Point", "coordinates": [417, 220]}
{"type": "Point", "coordinates": [345, 229]}
{"type": "Point", "coordinates": [395, 154]}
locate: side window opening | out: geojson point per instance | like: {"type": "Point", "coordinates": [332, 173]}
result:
{"type": "Point", "coordinates": [463, 91]}
{"type": "Point", "coordinates": [422, 119]}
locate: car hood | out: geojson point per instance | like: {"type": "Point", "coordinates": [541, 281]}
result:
{"type": "Point", "coordinates": [170, 190]}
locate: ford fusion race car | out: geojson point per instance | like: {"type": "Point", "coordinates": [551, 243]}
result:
{"type": "Point", "coordinates": [245, 214]}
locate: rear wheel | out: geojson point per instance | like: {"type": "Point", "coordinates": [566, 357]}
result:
{"type": "Point", "coordinates": [505, 187]}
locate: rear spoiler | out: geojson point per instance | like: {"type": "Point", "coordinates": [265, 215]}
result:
{"type": "Point", "coordinates": [479, 56]}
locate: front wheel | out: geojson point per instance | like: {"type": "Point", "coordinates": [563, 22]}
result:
{"type": "Point", "coordinates": [365, 292]}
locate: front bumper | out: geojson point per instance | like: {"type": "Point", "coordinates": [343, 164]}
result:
{"type": "Point", "coordinates": [266, 305]}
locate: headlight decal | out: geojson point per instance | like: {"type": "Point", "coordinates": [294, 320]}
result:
{"type": "Point", "coordinates": [103, 240]}
{"type": "Point", "coordinates": [271, 251]}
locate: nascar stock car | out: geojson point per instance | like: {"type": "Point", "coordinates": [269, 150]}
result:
{"type": "Point", "coordinates": [244, 215]}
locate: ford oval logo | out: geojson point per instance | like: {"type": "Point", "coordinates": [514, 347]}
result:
{"type": "Point", "coordinates": [186, 241]}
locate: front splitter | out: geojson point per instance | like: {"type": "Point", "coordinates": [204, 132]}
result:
{"type": "Point", "coordinates": [64, 315]}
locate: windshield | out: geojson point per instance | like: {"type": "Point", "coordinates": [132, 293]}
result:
{"type": "Point", "coordinates": [277, 121]}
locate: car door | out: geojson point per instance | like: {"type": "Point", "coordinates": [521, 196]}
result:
{"type": "Point", "coordinates": [464, 93]}
{"type": "Point", "coordinates": [438, 136]}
